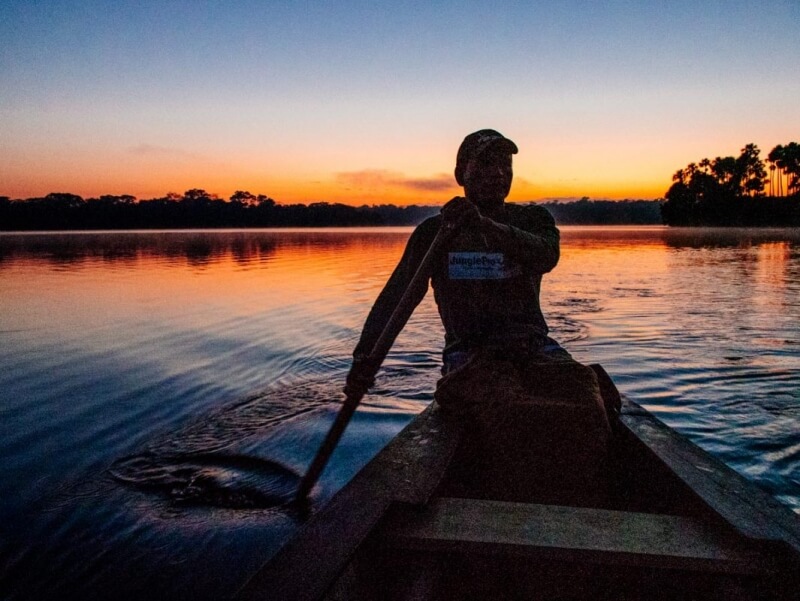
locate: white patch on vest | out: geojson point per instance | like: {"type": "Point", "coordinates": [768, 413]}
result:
{"type": "Point", "coordinates": [479, 266]}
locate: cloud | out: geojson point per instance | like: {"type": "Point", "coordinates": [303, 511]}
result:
{"type": "Point", "coordinates": [431, 184]}
{"type": "Point", "coordinates": [376, 179]}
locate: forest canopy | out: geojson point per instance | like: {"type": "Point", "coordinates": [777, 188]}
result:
{"type": "Point", "coordinates": [197, 208]}
{"type": "Point", "coordinates": [738, 191]}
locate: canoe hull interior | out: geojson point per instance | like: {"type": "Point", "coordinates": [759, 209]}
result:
{"type": "Point", "coordinates": [668, 522]}
{"type": "Point", "coordinates": [393, 574]}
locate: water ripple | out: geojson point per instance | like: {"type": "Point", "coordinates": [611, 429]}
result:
{"type": "Point", "coordinates": [144, 353]}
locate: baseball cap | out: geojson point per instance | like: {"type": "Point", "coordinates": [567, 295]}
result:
{"type": "Point", "coordinates": [474, 144]}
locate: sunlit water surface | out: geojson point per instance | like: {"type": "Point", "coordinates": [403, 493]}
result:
{"type": "Point", "coordinates": [161, 391]}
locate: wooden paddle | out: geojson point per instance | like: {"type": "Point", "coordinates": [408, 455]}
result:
{"type": "Point", "coordinates": [393, 327]}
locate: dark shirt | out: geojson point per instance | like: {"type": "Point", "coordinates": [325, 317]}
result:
{"type": "Point", "coordinates": [486, 284]}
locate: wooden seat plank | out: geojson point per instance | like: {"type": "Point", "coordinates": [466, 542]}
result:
{"type": "Point", "coordinates": [567, 534]}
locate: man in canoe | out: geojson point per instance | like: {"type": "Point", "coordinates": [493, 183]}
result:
{"type": "Point", "coordinates": [535, 422]}
{"type": "Point", "coordinates": [487, 279]}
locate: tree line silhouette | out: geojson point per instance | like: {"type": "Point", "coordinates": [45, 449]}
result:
{"type": "Point", "coordinates": [725, 191]}
{"type": "Point", "coordinates": [197, 208]}
{"type": "Point", "coordinates": [605, 212]}
{"type": "Point", "coordinates": [738, 191]}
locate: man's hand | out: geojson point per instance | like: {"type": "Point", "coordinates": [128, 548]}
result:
{"type": "Point", "coordinates": [360, 378]}
{"type": "Point", "coordinates": [459, 212]}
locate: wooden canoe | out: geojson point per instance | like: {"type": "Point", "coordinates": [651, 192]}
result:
{"type": "Point", "coordinates": [676, 524]}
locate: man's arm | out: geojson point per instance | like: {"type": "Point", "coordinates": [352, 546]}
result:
{"type": "Point", "coordinates": [533, 239]}
{"type": "Point", "coordinates": [395, 287]}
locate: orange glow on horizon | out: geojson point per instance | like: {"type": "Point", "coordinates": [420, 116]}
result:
{"type": "Point", "coordinates": [287, 191]}
{"type": "Point", "coordinates": [148, 171]}
{"type": "Point", "coordinates": [550, 165]}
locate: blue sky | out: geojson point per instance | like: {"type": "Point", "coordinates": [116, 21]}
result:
{"type": "Point", "coordinates": [356, 101]}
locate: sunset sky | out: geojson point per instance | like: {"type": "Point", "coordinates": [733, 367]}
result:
{"type": "Point", "coordinates": [361, 102]}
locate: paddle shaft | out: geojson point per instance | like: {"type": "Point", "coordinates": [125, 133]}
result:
{"type": "Point", "coordinates": [381, 348]}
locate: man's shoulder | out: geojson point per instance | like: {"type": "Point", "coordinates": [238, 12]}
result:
{"type": "Point", "coordinates": [431, 222]}
{"type": "Point", "coordinates": [429, 227]}
{"type": "Point", "coordinates": [528, 208]}
{"type": "Point", "coordinates": [424, 233]}
{"type": "Point", "coordinates": [529, 211]}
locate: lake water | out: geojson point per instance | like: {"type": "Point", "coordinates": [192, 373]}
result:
{"type": "Point", "coordinates": [149, 379]}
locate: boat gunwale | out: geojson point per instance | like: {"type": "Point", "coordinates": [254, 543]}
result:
{"type": "Point", "coordinates": [406, 472]}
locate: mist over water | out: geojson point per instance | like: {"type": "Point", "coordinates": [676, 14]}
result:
{"type": "Point", "coordinates": [160, 390]}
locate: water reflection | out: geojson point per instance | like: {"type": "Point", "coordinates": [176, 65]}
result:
{"type": "Point", "coordinates": [161, 345]}
{"type": "Point", "coordinates": [196, 247]}
{"type": "Point", "coordinates": [728, 237]}
{"type": "Point", "coordinates": [676, 237]}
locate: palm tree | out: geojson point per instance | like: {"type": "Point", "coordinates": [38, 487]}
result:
{"type": "Point", "coordinates": [775, 156]}
{"type": "Point", "coordinates": [724, 171]}
{"type": "Point", "coordinates": [791, 159]}
{"type": "Point", "coordinates": [750, 171]}
{"type": "Point", "coordinates": [771, 178]}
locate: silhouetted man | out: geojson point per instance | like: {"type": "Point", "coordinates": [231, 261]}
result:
{"type": "Point", "coordinates": [487, 281]}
